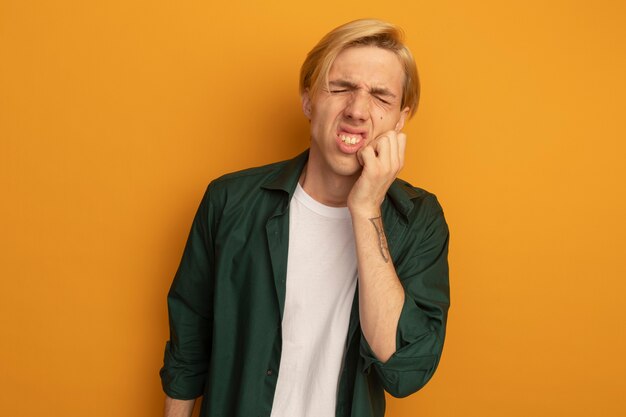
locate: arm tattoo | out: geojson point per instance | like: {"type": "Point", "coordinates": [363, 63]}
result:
{"type": "Point", "coordinates": [382, 240]}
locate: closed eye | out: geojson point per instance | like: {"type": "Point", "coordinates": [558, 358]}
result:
{"type": "Point", "coordinates": [382, 100]}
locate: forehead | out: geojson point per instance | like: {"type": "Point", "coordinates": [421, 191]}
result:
{"type": "Point", "coordinates": [368, 65]}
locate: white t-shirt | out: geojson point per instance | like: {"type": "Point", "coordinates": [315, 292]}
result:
{"type": "Point", "coordinates": [321, 281]}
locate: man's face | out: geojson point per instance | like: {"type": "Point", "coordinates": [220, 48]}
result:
{"type": "Point", "coordinates": [362, 102]}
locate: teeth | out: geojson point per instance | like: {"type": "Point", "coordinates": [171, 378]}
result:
{"type": "Point", "coordinates": [350, 140]}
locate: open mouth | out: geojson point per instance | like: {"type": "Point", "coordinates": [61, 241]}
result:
{"type": "Point", "coordinates": [350, 139]}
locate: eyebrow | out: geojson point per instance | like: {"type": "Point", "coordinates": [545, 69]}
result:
{"type": "Point", "coordinates": [381, 91]}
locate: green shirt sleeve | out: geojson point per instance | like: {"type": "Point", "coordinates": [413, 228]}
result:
{"type": "Point", "coordinates": [190, 311]}
{"type": "Point", "coordinates": [423, 271]}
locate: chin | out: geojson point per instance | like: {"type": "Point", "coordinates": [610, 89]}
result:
{"type": "Point", "coordinates": [332, 161]}
{"type": "Point", "coordinates": [348, 168]}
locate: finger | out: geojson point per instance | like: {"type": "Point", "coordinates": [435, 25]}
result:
{"type": "Point", "coordinates": [393, 153]}
{"type": "Point", "coordinates": [368, 156]}
{"type": "Point", "coordinates": [359, 157]}
{"type": "Point", "coordinates": [401, 149]}
{"type": "Point", "coordinates": [382, 146]}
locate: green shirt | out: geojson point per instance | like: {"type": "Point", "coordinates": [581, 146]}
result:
{"type": "Point", "coordinates": [227, 298]}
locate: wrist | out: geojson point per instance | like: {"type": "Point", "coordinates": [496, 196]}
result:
{"type": "Point", "coordinates": [364, 212]}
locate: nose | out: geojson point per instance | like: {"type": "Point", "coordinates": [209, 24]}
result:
{"type": "Point", "coordinates": [357, 107]}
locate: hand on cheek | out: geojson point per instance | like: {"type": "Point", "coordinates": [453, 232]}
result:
{"type": "Point", "coordinates": [381, 159]}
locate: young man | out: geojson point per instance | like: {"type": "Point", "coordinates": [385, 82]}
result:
{"type": "Point", "coordinates": [310, 286]}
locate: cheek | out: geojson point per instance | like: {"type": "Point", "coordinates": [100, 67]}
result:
{"type": "Point", "coordinates": [380, 120]}
{"type": "Point", "coordinates": [386, 120]}
{"type": "Point", "coordinates": [325, 117]}
{"type": "Point", "coordinates": [320, 124]}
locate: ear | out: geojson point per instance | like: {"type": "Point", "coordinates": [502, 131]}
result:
{"type": "Point", "coordinates": [306, 104]}
{"type": "Point", "coordinates": [403, 116]}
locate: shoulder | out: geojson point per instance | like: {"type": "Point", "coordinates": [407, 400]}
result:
{"type": "Point", "coordinates": [419, 219]}
{"type": "Point", "coordinates": [249, 189]}
{"type": "Point", "coordinates": [249, 178]}
{"type": "Point", "coordinates": [413, 201]}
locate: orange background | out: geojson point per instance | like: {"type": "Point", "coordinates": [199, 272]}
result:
{"type": "Point", "coordinates": [114, 115]}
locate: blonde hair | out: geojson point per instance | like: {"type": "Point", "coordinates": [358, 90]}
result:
{"type": "Point", "coordinates": [362, 32]}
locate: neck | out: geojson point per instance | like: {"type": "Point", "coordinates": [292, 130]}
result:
{"type": "Point", "coordinates": [330, 190]}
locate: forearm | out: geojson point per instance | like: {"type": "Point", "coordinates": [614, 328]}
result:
{"type": "Point", "coordinates": [178, 408]}
{"type": "Point", "coordinates": [381, 295]}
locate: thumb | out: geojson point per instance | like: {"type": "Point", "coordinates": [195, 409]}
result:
{"type": "Point", "coordinates": [359, 157]}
